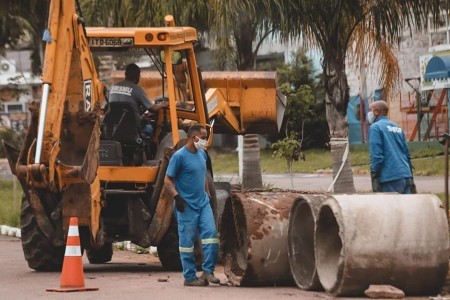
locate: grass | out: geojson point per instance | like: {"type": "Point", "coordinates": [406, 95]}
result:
{"type": "Point", "coordinates": [427, 162]}
{"type": "Point", "coordinates": [10, 208]}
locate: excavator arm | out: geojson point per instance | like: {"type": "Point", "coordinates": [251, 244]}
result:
{"type": "Point", "coordinates": [59, 158]}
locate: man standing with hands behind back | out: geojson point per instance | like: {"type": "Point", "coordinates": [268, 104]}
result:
{"type": "Point", "coordinates": [186, 182]}
{"type": "Point", "coordinates": [390, 161]}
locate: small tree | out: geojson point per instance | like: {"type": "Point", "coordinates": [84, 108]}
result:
{"type": "Point", "coordinates": [299, 107]}
{"type": "Point", "coordinates": [290, 149]}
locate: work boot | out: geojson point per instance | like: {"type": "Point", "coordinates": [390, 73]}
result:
{"type": "Point", "coordinates": [196, 282]}
{"type": "Point", "coordinates": [209, 277]}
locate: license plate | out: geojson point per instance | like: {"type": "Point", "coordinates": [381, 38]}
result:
{"type": "Point", "coordinates": [110, 42]}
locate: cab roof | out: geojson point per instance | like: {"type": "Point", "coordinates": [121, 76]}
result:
{"type": "Point", "coordinates": [140, 36]}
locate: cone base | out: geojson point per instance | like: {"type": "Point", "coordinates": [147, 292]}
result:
{"type": "Point", "coordinates": [71, 289]}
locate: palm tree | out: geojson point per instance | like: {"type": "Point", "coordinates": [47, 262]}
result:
{"type": "Point", "coordinates": [334, 27]}
{"type": "Point", "coordinates": [123, 13]}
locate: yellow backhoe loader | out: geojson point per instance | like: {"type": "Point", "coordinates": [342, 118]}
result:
{"type": "Point", "coordinates": [81, 160]}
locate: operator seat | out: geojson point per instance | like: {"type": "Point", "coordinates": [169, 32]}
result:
{"type": "Point", "coordinates": [122, 124]}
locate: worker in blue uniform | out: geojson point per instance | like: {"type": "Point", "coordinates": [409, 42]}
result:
{"type": "Point", "coordinates": [186, 181]}
{"type": "Point", "coordinates": [390, 160]}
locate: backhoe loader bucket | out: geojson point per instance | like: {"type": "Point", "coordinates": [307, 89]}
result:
{"type": "Point", "coordinates": [252, 96]}
{"type": "Point", "coordinates": [78, 156]}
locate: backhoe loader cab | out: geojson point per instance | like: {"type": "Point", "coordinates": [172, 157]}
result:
{"type": "Point", "coordinates": [154, 49]}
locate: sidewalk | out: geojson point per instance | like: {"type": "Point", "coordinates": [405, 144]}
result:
{"type": "Point", "coordinates": [321, 182]}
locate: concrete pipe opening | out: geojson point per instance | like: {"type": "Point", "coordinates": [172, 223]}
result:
{"type": "Point", "coordinates": [328, 247]}
{"type": "Point", "coordinates": [382, 239]}
{"type": "Point", "coordinates": [233, 235]}
{"type": "Point", "coordinates": [302, 222]}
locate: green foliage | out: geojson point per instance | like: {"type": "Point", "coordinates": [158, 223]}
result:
{"type": "Point", "coordinates": [305, 111]}
{"type": "Point", "coordinates": [299, 106]}
{"type": "Point", "coordinates": [298, 72]}
{"type": "Point", "coordinates": [141, 250]}
{"type": "Point", "coordinates": [288, 148]}
{"type": "Point", "coordinates": [11, 137]}
{"type": "Point", "coordinates": [119, 246]}
{"type": "Point", "coordinates": [24, 21]}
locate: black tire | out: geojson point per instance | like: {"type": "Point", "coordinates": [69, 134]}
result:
{"type": "Point", "coordinates": [168, 248]}
{"type": "Point", "coordinates": [39, 252]}
{"type": "Point", "coordinates": [101, 255]}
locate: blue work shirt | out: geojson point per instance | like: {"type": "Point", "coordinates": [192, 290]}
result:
{"type": "Point", "coordinates": [188, 169]}
{"type": "Point", "coordinates": [389, 154]}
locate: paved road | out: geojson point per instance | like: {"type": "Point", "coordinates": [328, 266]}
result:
{"type": "Point", "coordinates": [321, 182]}
{"type": "Point", "coordinates": [128, 276]}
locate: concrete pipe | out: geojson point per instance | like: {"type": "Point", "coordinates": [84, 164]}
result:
{"type": "Point", "coordinates": [398, 240]}
{"type": "Point", "coordinates": [253, 238]}
{"type": "Point", "coordinates": [302, 222]}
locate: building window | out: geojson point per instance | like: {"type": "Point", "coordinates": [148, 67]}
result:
{"type": "Point", "coordinates": [14, 108]}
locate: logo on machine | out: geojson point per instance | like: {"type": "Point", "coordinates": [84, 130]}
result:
{"type": "Point", "coordinates": [88, 93]}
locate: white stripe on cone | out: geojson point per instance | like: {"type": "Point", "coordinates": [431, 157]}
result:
{"type": "Point", "coordinates": [73, 231]}
{"type": "Point", "coordinates": [72, 251]}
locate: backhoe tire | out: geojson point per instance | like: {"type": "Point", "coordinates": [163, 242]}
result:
{"type": "Point", "coordinates": [101, 255]}
{"type": "Point", "coordinates": [168, 248]}
{"type": "Point", "coordinates": [39, 252]}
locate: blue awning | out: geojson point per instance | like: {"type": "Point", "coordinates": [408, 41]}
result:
{"type": "Point", "coordinates": [438, 68]}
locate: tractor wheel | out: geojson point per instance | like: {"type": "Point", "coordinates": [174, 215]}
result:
{"type": "Point", "coordinates": [39, 252]}
{"type": "Point", "coordinates": [101, 255]}
{"type": "Point", "coordinates": [168, 248]}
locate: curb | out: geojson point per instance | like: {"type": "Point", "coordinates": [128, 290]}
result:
{"type": "Point", "coordinates": [10, 231]}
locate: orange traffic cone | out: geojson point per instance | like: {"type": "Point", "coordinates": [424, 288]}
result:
{"type": "Point", "coordinates": [72, 276]}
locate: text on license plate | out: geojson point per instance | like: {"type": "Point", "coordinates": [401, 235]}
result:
{"type": "Point", "coordinates": [110, 42]}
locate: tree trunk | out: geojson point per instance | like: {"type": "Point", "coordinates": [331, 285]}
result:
{"type": "Point", "coordinates": [337, 97]}
{"type": "Point", "coordinates": [244, 35]}
{"type": "Point", "coordinates": [251, 172]}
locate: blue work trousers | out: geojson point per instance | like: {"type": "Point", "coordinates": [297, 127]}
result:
{"type": "Point", "coordinates": [190, 222]}
{"type": "Point", "coordinates": [402, 186]}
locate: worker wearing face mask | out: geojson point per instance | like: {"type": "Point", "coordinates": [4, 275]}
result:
{"type": "Point", "coordinates": [186, 181]}
{"type": "Point", "coordinates": [390, 160]}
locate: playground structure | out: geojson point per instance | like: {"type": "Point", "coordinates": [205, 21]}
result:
{"type": "Point", "coordinates": [421, 110]}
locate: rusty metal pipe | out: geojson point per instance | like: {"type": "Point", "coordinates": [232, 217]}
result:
{"type": "Point", "coordinates": [253, 236]}
{"type": "Point", "coordinates": [398, 240]}
{"type": "Point", "coordinates": [302, 222]}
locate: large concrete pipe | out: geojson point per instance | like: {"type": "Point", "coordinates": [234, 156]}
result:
{"type": "Point", "coordinates": [399, 240]}
{"type": "Point", "coordinates": [302, 222]}
{"type": "Point", "coordinates": [253, 236]}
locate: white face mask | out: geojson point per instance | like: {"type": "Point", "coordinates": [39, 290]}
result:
{"type": "Point", "coordinates": [201, 144]}
{"type": "Point", "coordinates": [370, 117]}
